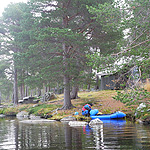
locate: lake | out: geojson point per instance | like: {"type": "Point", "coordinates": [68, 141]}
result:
{"type": "Point", "coordinates": [112, 135]}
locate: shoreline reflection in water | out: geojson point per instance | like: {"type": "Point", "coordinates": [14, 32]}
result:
{"type": "Point", "coordinates": [113, 134]}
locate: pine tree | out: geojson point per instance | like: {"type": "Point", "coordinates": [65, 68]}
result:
{"type": "Point", "coordinates": [13, 24]}
{"type": "Point", "coordinates": [62, 29]}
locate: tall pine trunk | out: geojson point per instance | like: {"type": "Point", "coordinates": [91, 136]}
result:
{"type": "Point", "coordinates": [74, 92]}
{"type": "Point", "coordinates": [0, 98]}
{"type": "Point", "coordinates": [15, 88]}
{"type": "Point", "coordinates": [67, 98]}
{"type": "Point", "coordinates": [22, 94]}
{"type": "Point", "coordinates": [39, 92]}
{"type": "Point", "coordinates": [26, 91]}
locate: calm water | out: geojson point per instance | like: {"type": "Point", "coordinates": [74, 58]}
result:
{"type": "Point", "coordinates": [112, 135]}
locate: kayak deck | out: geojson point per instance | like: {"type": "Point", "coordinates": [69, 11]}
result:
{"type": "Point", "coordinates": [115, 115]}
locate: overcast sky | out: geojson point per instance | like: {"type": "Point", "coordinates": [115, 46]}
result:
{"type": "Point", "coordinates": [4, 3]}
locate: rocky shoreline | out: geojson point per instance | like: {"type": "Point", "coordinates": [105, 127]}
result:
{"type": "Point", "coordinates": [25, 117]}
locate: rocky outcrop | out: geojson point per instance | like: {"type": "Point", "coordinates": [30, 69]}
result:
{"type": "Point", "coordinates": [69, 118]}
{"type": "Point", "coordinates": [28, 100]}
{"type": "Point", "coordinates": [2, 116]}
{"type": "Point", "coordinates": [22, 114]}
{"type": "Point", "coordinates": [37, 121]}
{"type": "Point", "coordinates": [34, 117]}
{"type": "Point", "coordinates": [77, 123]}
{"type": "Point", "coordinates": [143, 112]}
{"type": "Point", "coordinates": [25, 115]}
{"type": "Point", "coordinates": [48, 96]}
{"type": "Point", "coordinates": [95, 122]}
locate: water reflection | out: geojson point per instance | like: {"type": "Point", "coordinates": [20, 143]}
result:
{"type": "Point", "coordinates": [40, 135]}
{"type": "Point", "coordinates": [98, 136]}
{"type": "Point", "coordinates": [73, 138]}
{"type": "Point", "coordinates": [15, 135]}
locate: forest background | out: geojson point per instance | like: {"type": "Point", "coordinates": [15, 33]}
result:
{"type": "Point", "coordinates": [48, 44]}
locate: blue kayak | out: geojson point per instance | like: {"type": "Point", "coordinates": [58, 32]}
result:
{"type": "Point", "coordinates": [116, 115]}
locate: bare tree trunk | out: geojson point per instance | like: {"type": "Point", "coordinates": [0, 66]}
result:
{"type": "Point", "coordinates": [22, 91]}
{"type": "Point", "coordinates": [89, 86]}
{"type": "Point", "coordinates": [0, 98]}
{"type": "Point", "coordinates": [89, 79]}
{"type": "Point", "coordinates": [97, 83]}
{"type": "Point", "coordinates": [31, 93]}
{"type": "Point", "coordinates": [39, 92]}
{"type": "Point", "coordinates": [74, 92]}
{"type": "Point", "coordinates": [35, 91]}
{"type": "Point", "coordinates": [49, 88]}
{"type": "Point", "coordinates": [15, 88]}
{"type": "Point", "coordinates": [67, 99]}
{"type": "Point", "coordinates": [46, 89]}
{"type": "Point", "coordinates": [26, 90]}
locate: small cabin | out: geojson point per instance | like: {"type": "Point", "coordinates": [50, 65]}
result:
{"type": "Point", "coordinates": [116, 81]}
{"type": "Point", "coordinates": [110, 82]}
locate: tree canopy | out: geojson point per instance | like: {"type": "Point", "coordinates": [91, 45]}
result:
{"type": "Point", "coordinates": [52, 42]}
{"type": "Point", "coordinates": [133, 49]}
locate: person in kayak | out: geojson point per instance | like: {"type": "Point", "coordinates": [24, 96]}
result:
{"type": "Point", "coordinates": [86, 109]}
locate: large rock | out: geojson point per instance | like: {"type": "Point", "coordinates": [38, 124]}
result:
{"type": "Point", "coordinates": [141, 106]}
{"type": "Point", "coordinates": [77, 123]}
{"type": "Point", "coordinates": [28, 100]}
{"type": "Point", "coordinates": [95, 122]}
{"type": "Point", "coordinates": [37, 121]}
{"type": "Point", "coordinates": [22, 114]}
{"type": "Point", "coordinates": [1, 116]}
{"type": "Point", "coordinates": [3, 106]}
{"type": "Point", "coordinates": [140, 109]}
{"type": "Point", "coordinates": [69, 118]}
{"type": "Point", "coordinates": [48, 96]}
{"type": "Point", "coordinates": [33, 117]}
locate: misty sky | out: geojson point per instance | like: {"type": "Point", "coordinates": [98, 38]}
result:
{"type": "Point", "coordinates": [4, 3]}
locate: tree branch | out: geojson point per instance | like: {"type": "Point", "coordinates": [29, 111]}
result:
{"type": "Point", "coordinates": [130, 48]}
{"type": "Point", "coordinates": [138, 37]}
{"type": "Point", "coordinates": [56, 53]}
{"type": "Point", "coordinates": [6, 36]}
{"type": "Point", "coordinates": [86, 27]}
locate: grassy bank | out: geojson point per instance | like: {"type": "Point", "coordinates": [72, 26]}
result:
{"type": "Point", "coordinates": [102, 100]}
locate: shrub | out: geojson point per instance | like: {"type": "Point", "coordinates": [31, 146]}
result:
{"type": "Point", "coordinates": [132, 97]}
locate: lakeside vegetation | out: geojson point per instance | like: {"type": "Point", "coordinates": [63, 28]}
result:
{"type": "Point", "coordinates": [101, 100]}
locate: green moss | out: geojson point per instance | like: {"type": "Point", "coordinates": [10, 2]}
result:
{"type": "Point", "coordinates": [56, 117]}
{"type": "Point", "coordinates": [42, 109]}
{"type": "Point", "coordinates": [2, 110]}
{"type": "Point", "coordinates": [10, 111]}
{"type": "Point", "coordinates": [80, 118]}
{"type": "Point", "coordinates": [23, 108]}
